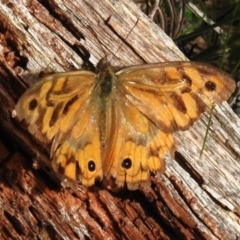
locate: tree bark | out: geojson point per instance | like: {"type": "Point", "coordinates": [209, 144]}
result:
{"type": "Point", "coordinates": [196, 198]}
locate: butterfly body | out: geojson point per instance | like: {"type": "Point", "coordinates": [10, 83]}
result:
{"type": "Point", "coordinates": [119, 125]}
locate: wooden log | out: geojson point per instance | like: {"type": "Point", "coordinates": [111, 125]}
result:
{"type": "Point", "coordinates": [196, 198]}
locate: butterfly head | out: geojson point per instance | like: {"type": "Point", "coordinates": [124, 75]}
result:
{"type": "Point", "coordinates": [102, 64]}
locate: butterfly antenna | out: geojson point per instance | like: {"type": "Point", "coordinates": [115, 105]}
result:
{"type": "Point", "coordinates": [104, 60]}
{"type": "Point", "coordinates": [114, 55]}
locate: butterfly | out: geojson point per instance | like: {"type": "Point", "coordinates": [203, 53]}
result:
{"type": "Point", "coordinates": [119, 126]}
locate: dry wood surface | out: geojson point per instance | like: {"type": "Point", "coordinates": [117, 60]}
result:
{"type": "Point", "coordinates": [196, 198]}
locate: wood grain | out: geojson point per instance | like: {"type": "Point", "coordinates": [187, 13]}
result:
{"type": "Point", "coordinates": [195, 198]}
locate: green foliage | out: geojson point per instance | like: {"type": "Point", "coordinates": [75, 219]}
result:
{"type": "Point", "coordinates": [217, 42]}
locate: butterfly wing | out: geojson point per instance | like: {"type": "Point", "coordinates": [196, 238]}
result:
{"type": "Point", "coordinates": [151, 102]}
{"type": "Point", "coordinates": [174, 94]}
{"type": "Point", "coordinates": [135, 146]}
{"type": "Point", "coordinates": [134, 128]}
{"type": "Point", "coordinates": [79, 155]}
{"type": "Point", "coordinates": [62, 108]}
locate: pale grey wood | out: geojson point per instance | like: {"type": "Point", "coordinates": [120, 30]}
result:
{"type": "Point", "coordinates": [128, 37]}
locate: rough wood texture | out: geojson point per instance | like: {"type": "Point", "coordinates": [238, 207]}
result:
{"type": "Point", "coordinates": [194, 199]}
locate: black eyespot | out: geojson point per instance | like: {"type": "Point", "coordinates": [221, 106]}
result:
{"type": "Point", "coordinates": [91, 166]}
{"type": "Point", "coordinates": [127, 163]}
{"type": "Point", "coordinates": [210, 86]}
{"type": "Point", "coordinates": [33, 104]}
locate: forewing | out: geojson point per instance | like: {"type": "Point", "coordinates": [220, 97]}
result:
{"type": "Point", "coordinates": [55, 103]}
{"type": "Point", "coordinates": [174, 94]}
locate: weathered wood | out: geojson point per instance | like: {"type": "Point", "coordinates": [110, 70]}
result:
{"type": "Point", "coordinates": [194, 199]}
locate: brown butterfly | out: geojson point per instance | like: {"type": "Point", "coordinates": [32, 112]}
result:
{"type": "Point", "coordinates": [119, 125]}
